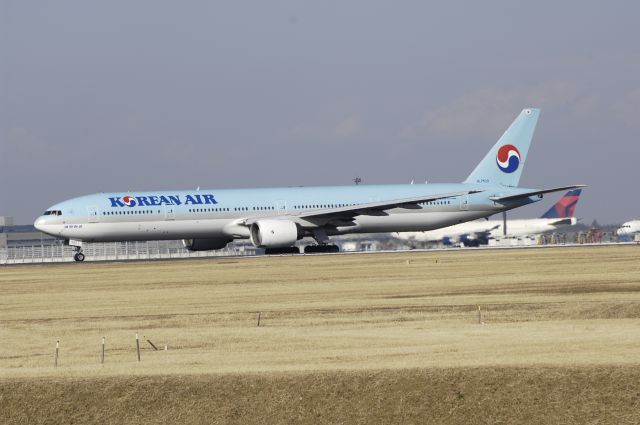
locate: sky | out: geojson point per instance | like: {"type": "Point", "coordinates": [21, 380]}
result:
{"type": "Point", "coordinates": [148, 95]}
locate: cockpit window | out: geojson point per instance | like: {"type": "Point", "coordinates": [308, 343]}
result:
{"type": "Point", "coordinates": [53, 212]}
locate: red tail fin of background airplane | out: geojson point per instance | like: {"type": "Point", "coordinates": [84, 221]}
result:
{"type": "Point", "coordinates": [565, 206]}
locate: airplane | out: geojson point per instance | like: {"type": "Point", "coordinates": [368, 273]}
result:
{"type": "Point", "coordinates": [629, 229]}
{"type": "Point", "coordinates": [475, 233]}
{"type": "Point", "coordinates": [275, 218]}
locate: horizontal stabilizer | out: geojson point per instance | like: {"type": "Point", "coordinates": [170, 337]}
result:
{"type": "Point", "coordinates": [533, 193]}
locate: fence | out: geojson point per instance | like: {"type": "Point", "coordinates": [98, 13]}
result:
{"type": "Point", "coordinates": [114, 251]}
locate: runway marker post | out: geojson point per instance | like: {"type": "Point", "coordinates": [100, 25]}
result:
{"type": "Point", "coordinates": [259, 314]}
{"type": "Point", "coordinates": [150, 343]}
{"type": "Point", "coordinates": [102, 356]}
{"type": "Point", "coordinates": [138, 346]}
{"type": "Point", "coordinates": [55, 360]}
{"type": "Point", "coordinates": [479, 316]}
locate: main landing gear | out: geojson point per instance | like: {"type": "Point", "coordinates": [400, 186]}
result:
{"type": "Point", "coordinates": [309, 249]}
{"type": "Point", "coordinates": [281, 251]}
{"type": "Point", "coordinates": [323, 248]}
{"type": "Point", "coordinates": [320, 235]}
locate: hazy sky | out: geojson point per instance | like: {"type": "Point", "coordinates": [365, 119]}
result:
{"type": "Point", "coordinates": [143, 95]}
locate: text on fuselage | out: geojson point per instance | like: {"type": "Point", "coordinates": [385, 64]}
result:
{"type": "Point", "coordinates": [154, 200]}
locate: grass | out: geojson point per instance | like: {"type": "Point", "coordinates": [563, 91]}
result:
{"type": "Point", "coordinates": [548, 315]}
{"type": "Point", "coordinates": [591, 395]}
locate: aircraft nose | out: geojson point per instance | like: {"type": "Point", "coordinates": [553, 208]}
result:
{"type": "Point", "coordinates": [40, 223]}
{"type": "Point", "coordinates": [44, 225]}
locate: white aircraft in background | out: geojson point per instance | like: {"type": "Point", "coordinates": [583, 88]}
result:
{"type": "Point", "coordinates": [629, 229]}
{"type": "Point", "coordinates": [476, 233]}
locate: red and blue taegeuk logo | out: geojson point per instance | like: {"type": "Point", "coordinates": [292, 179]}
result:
{"type": "Point", "coordinates": [129, 201]}
{"type": "Point", "coordinates": [508, 158]}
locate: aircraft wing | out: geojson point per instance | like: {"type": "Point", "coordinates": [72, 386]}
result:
{"type": "Point", "coordinates": [377, 208]}
{"type": "Point", "coordinates": [533, 193]}
{"type": "Point", "coordinates": [344, 215]}
{"type": "Point", "coordinates": [497, 226]}
{"type": "Point", "coordinates": [484, 232]}
{"type": "Point", "coordinates": [563, 222]}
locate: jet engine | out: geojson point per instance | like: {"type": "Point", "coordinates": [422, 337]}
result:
{"type": "Point", "coordinates": [205, 244]}
{"type": "Point", "coordinates": [274, 233]}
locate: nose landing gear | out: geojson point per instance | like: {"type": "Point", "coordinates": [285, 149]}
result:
{"type": "Point", "coordinates": [77, 246]}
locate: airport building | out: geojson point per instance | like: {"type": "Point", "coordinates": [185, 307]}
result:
{"type": "Point", "coordinates": [12, 235]}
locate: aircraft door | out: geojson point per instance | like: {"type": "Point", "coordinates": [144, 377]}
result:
{"type": "Point", "coordinates": [93, 214]}
{"type": "Point", "coordinates": [169, 212]}
{"type": "Point", "coordinates": [281, 207]}
{"type": "Point", "coordinates": [464, 203]}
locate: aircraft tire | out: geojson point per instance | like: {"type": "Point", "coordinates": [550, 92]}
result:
{"type": "Point", "coordinates": [282, 251]}
{"type": "Point", "coordinates": [78, 256]}
{"type": "Point", "coordinates": [321, 249]}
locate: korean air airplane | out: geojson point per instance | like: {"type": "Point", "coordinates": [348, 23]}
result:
{"type": "Point", "coordinates": [475, 233]}
{"type": "Point", "coordinates": [275, 218]}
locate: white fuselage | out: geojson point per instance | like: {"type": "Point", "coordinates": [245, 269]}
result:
{"type": "Point", "coordinates": [629, 228]}
{"type": "Point", "coordinates": [493, 229]}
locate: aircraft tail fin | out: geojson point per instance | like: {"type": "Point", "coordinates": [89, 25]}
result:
{"type": "Point", "coordinates": [565, 207]}
{"type": "Point", "coordinates": [503, 164]}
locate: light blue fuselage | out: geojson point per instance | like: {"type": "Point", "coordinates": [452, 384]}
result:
{"type": "Point", "coordinates": [218, 213]}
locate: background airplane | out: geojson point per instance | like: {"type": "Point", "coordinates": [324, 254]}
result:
{"type": "Point", "coordinates": [629, 229]}
{"type": "Point", "coordinates": [275, 218]}
{"type": "Point", "coordinates": [479, 232]}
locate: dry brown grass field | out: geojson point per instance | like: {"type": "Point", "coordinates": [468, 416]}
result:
{"type": "Point", "coordinates": [377, 338]}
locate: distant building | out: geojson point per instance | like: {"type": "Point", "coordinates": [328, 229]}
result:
{"type": "Point", "coordinates": [12, 235]}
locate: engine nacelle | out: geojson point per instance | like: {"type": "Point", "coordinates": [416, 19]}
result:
{"type": "Point", "coordinates": [274, 233]}
{"type": "Point", "coordinates": [205, 244]}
